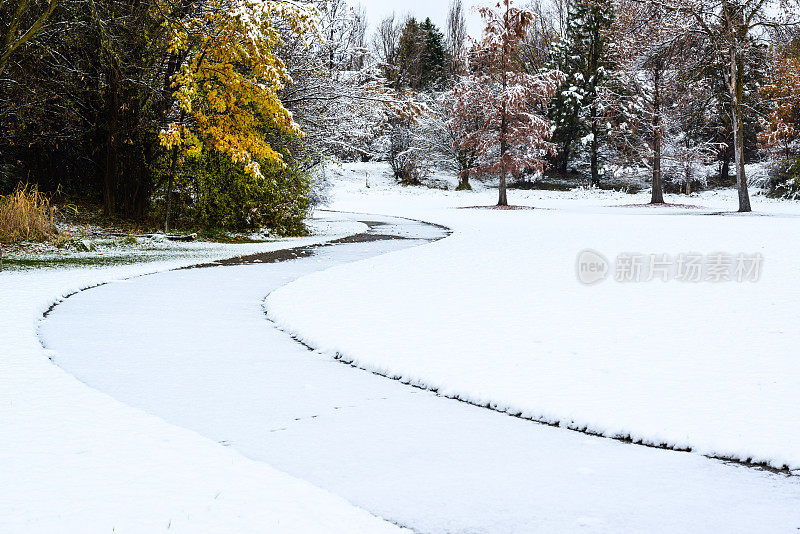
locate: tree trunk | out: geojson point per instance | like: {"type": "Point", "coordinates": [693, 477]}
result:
{"type": "Point", "coordinates": [595, 178]}
{"type": "Point", "coordinates": [502, 200]}
{"type": "Point", "coordinates": [657, 194]}
{"type": "Point", "coordinates": [594, 146]}
{"type": "Point", "coordinates": [725, 168]}
{"type": "Point", "coordinates": [330, 53]}
{"type": "Point", "coordinates": [688, 172]}
{"type": "Point", "coordinates": [736, 120]}
{"type": "Point", "coordinates": [171, 182]}
{"type": "Point", "coordinates": [109, 176]}
{"type": "Point", "coordinates": [595, 51]}
{"type": "Point", "coordinates": [135, 176]}
{"type": "Point", "coordinates": [564, 157]}
{"type": "Point", "coordinates": [170, 185]}
{"type": "Point", "coordinates": [112, 156]}
{"type": "Point", "coordinates": [463, 181]}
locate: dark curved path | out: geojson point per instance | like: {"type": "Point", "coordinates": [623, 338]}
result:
{"type": "Point", "coordinates": [193, 347]}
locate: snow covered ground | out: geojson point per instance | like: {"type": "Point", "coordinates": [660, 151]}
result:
{"type": "Point", "coordinates": [73, 459]}
{"type": "Point", "coordinates": [495, 314]}
{"type": "Point", "coordinates": [213, 364]}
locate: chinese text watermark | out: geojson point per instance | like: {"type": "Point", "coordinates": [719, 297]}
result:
{"type": "Point", "coordinates": [592, 267]}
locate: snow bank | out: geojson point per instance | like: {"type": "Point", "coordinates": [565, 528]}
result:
{"type": "Point", "coordinates": [495, 315]}
{"type": "Point", "coordinates": [75, 460]}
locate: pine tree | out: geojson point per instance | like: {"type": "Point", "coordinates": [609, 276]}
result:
{"type": "Point", "coordinates": [409, 55]}
{"type": "Point", "coordinates": [586, 56]}
{"type": "Point", "coordinates": [432, 60]}
{"type": "Point", "coordinates": [420, 58]}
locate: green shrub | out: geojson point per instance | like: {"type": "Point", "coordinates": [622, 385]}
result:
{"type": "Point", "coordinates": [223, 196]}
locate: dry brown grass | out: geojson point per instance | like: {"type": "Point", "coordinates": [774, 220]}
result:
{"type": "Point", "coordinates": [27, 215]}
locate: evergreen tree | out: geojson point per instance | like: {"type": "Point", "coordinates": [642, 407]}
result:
{"type": "Point", "coordinates": [586, 56]}
{"type": "Point", "coordinates": [432, 59]}
{"type": "Point", "coordinates": [409, 55]}
{"type": "Point", "coordinates": [420, 57]}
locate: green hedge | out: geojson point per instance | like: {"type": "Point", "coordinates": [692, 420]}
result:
{"type": "Point", "coordinates": [217, 194]}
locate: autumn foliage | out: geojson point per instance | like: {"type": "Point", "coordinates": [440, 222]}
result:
{"type": "Point", "coordinates": [505, 118]}
{"type": "Point", "coordinates": [228, 86]}
{"type": "Point", "coordinates": [782, 125]}
{"type": "Point", "coordinates": [505, 105]}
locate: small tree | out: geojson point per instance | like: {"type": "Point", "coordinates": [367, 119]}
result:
{"type": "Point", "coordinates": [402, 117]}
{"type": "Point", "coordinates": [440, 132]}
{"type": "Point", "coordinates": [649, 53]}
{"type": "Point", "coordinates": [512, 133]}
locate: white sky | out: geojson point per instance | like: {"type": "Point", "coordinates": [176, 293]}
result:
{"type": "Point", "coordinates": [435, 9]}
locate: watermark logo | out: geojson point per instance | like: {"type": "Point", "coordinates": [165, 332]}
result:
{"type": "Point", "coordinates": [592, 267]}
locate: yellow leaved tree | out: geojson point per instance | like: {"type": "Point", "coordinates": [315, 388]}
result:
{"type": "Point", "coordinates": [227, 88]}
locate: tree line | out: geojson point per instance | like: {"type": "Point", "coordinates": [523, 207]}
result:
{"type": "Point", "coordinates": [662, 88]}
{"type": "Point", "coordinates": [223, 112]}
{"type": "Point", "coordinates": [156, 106]}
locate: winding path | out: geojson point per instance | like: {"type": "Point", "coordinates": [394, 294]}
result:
{"type": "Point", "coordinates": [193, 347]}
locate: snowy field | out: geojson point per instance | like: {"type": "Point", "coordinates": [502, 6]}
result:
{"type": "Point", "coordinates": [495, 314]}
{"type": "Point", "coordinates": [206, 418]}
{"type": "Point", "coordinates": [74, 460]}
{"type": "Point", "coordinates": [217, 367]}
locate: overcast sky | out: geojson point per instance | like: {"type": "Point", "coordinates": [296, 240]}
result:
{"type": "Point", "coordinates": [435, 9]}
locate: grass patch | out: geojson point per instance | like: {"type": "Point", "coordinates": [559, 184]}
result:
{"type": "Point", "coordinates": [27, 215]}
{"type": "Point", "coordinates": [67, 262]}
{"type": "Point", "coordinates": [222, 236]}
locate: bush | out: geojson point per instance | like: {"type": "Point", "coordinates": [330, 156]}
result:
{"type": "Point", "coordinates": [26, 215]}
{"type": "Point", "coordinates": [784, 181]}
{"type": "Point", "coordinates": [223, 196]}
{"type": "Point", "coordinates": [403, 157]}
{"type": "Point", "coordinates": [406, 167]}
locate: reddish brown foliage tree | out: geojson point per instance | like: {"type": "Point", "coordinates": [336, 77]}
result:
{"type": "Point", "coordinates": [511, 134]}
{"type": "Point", "coordinates": [782, 126]}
